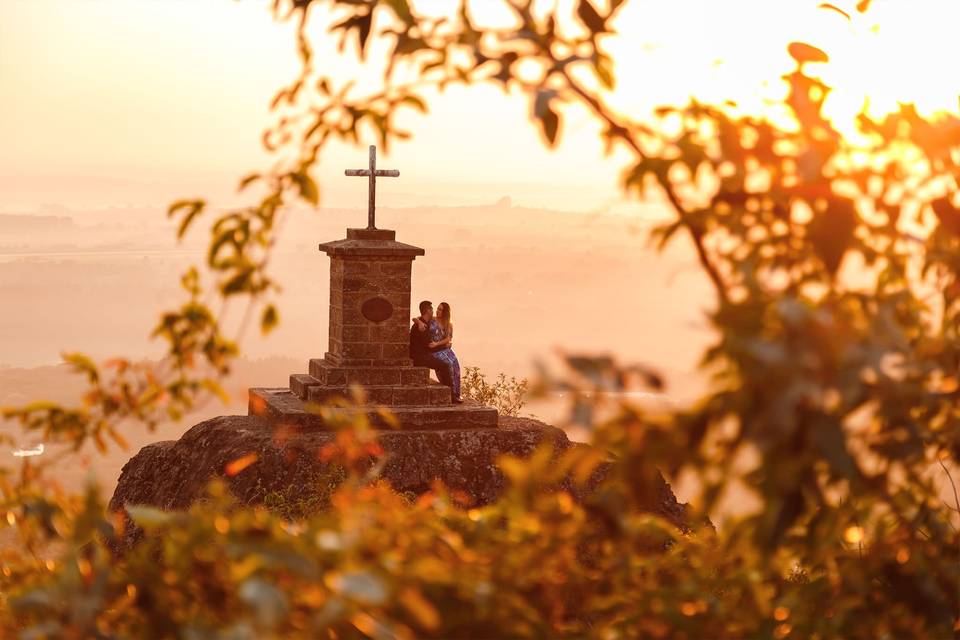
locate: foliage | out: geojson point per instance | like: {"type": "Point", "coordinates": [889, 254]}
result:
{"type": "Point", "coordinates": [508, 395]}
{"type": "Point", "coordinates": [834, 399]}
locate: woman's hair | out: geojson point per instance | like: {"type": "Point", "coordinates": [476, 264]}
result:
{"type": "Point", "coordinates": [443, 314]}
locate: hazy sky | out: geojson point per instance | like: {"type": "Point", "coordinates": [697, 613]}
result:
{"type": "Point", "coordinates": [145, 101]}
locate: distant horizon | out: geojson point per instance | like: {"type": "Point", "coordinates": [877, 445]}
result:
{"type": "Point", "coordinates": [451, 195]}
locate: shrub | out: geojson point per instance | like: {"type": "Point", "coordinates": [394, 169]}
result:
{"type": "Point", "coordinates": [508, 395]}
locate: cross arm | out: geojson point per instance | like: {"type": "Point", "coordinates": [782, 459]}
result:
{"type": "Point", "coordinates": [359, 172]}
{"type": "Point", "coordinates": [390, 173]}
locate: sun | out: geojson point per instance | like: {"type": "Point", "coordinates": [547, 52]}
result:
{"type": "Point", "coordinates": [895, 52]}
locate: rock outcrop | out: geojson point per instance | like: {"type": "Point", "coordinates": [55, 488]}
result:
{"type": "Point", "coordinates": [291, 476]}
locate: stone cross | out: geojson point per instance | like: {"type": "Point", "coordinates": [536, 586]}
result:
{"type": "Point", "coordinates": [372, 174]}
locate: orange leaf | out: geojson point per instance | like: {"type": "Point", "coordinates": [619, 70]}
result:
{"type": "Point", "coordinates": [238, 465]}
{"type": "Point", "coordinates": [803, 52]}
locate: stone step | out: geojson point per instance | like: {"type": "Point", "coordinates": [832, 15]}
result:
{"type": "Point", "coordinates": [328, 374]}
{"type": "Point", "coordinates": [300, 383]}
{"type": "Point", "coordinates": [280, 406]}
{"type": "Point", "coordinates": [386, 395]}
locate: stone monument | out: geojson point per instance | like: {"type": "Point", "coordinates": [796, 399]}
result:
{"type": "Point", "coordinates": [369, 328]}
{"type": "Point", "coordinates": [458, 444]}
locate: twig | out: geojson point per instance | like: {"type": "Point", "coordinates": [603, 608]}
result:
{"type": "Point", "coordinates": [623, 133]}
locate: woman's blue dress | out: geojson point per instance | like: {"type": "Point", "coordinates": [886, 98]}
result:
{"type": "Point", "coordinates": [447, 356]}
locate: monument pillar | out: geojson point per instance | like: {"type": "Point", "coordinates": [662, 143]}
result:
{"type": "Point", "coordinates": [369, 298]}
{"type": "Point", "coordinates": [368, 342]}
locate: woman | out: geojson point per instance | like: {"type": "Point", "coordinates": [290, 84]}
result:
{"type": "Point", "coordinates": [441, 340]}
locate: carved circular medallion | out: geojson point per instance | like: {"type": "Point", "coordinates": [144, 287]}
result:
{"type": "Point", "coordinates": [377, 309]}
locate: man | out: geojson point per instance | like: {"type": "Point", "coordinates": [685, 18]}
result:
{"type": "Point", "coordinates": [420, 351]}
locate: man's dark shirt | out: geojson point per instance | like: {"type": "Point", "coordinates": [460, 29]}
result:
{"type": "Point", "coordinates": [420, 351]}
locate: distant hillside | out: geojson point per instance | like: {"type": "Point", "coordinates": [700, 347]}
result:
{"type": "Point", "coordinates": [19, 223]}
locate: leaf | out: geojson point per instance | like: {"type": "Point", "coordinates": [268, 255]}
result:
{"type": "Point", "coordinates": [269, 319]}
{"type": "Point", "coordinates": [831, 7]}
{"type": "Point", "coordinates": [947, 214]}
{"type": "Point", "coordinates": [246, 181]}
{"type": "Point", "coordinates": [515, 469]}
{"type": "Point", "coordinates": [236, 284]}
{"type": "Point", "coordinates": [82, 364]}
{"type": "Point", "coordinates": [191, 281]}
{"type": "Point", "coordinates": [193, 209]}
{"type": "Point", "coordinates": [268, 603]}
{"type": "Point", "coordinates": [603, 67]}
{"type": "Point", "coordinates": [420, 608]}
{"type": "Point", "coordinates": [803, 52]}
{"type": "Point", "coordinates": [416, 102]}
{"type": "Point", "coordinates": [362, 586]}
{"type": "Point", "coordinates": [402, 9]}
{"type": "Point", "coordinates": [119, 439]}
{"type": "Point", "coordinates": [148, 517]}
{"type": "Point", "coordinates": [241, 463]}
{"type": "Point", "coordinates": [596, 369]}
{"type": "Point", "coordinates": [831, 233]}
{"type": "Point", "coordinates": [828, 435]}
{"type": "Point", "coordinates": [548, 118]}
{"type": "Point", "coordinates": [586, 462]}
{"type": "Point", "coordinates": [308, 188]}
{"type": "Point", "coordinates": [363, 31]}
{"type": "Point", "coordinates": [214, 387]}
{"type": "Point", "coordinates": [594, 21]}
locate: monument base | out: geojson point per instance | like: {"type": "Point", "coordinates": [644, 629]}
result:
{"type": "Point", "coordinates": [282, 406]}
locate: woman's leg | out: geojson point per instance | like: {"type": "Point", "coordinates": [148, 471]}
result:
{"type": "Point", "coordinates": [455, 376]}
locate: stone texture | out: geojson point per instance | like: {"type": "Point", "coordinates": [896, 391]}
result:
{"type": "Point", "coordinates": [172, 475]}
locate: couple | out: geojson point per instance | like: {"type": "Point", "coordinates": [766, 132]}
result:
{"type": "Point", "coordinates": [430, 341]}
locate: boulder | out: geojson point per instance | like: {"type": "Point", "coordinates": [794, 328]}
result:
{"type": "Point", "coordinates": [289, 475]}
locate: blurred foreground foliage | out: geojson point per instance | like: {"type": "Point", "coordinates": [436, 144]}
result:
{"type": "Point", "coordinates": [834, 403]}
